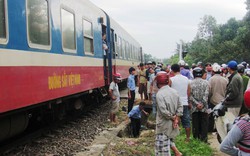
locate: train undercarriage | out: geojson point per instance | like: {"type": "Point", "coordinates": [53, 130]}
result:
{"type": "Point", "coordinates": [15, 123]}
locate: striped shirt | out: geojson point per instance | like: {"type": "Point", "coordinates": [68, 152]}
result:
{"type": "Point", "coordinates": [244, 125]}
{"type": "Point", "coordinates": [238, 135]}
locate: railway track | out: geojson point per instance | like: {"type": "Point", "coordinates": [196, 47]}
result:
{"type": "Point", "coordinates": [70, 136]}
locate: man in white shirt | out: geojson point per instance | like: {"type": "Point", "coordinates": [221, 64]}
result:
{"type": "Point", "coordinates": [217, 91]}
{"type": "Point", "coordinates": [181, 84]}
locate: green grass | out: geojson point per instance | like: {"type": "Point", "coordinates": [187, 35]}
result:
{"type": "Point", "coordinates": [144, 145]}
{"type": "Point", "coordinates": [193, 148]}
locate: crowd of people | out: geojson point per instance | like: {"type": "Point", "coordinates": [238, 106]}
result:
{"type": "Point", "coordinates": [180, 94]}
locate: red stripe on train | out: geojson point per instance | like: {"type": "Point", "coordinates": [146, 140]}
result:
{"type": "Point", "coordinates": [25, 86]}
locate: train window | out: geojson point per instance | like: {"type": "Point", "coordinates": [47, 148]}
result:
{"type": "Point", "coordinates": [38, 23]}
{"type": "Point", "coordinates": [115, 37]}
{"type": "Point", "coordinates": [127, 51]}
{"type": "Point", "coordinates": [116, 47]}
{"type": "Point", "coordinates": [68, 30]}
{"type": "Point", "coordinates": [134, 52]}
{"type": "Point", "coordinates": [88, 37]}
{"type": "Point", "coordinates": [123, 49]}
{"type": "Point", "coordinates": [129, 56]}
{"type": "Point", "coordinates": [120, 47]}
{"type": "Point", "coordinates": [131, 52]}
{"type": "Point", "coordinates": [3, 29]}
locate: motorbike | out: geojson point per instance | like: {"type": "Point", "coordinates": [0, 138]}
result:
{"type": "Point", "coordinates": [223, 120]}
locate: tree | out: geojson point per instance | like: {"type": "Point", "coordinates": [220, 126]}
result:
{"type": "Point", "coordinates": [207, 27]}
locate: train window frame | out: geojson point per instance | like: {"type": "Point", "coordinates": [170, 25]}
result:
{"type": "Point", "coordinates": [88, 37]}
{"type": "Point", "coordinates": [123, 49]}
{"type": "Point", "coordinates": [116, 47]}
{"type": "Point", "coordinates": [131, 52]}
{"type": "Point", "coordinates": [120, 47]}
{"type": "Point", "coordinates": [6, 39]}
{"type": "Point", "coordinates": [127, 50]}
{"type": "Point", "coordinates": [67, 50]}
{"type": "Point", "coordinates": [35, 45]}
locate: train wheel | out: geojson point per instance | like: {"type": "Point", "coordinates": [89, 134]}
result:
{"type": "Point", "coordinates": [78, 105]}
{"type": "Point", "coordinates": [13, 125]}
{"type": "Point", "coordinates": [60, 112]}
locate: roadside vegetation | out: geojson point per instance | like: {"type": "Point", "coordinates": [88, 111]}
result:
{"type": "Point", "coordinates": [215, 42]}
{"type": "Point", "coordinates": [124, 145]}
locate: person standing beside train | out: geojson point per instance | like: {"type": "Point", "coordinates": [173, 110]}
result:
{"type": "Point", "coordinates": [217, 92]}
{"type": "Point", "coordinates": [184, 71]}
{"type": "Point", "coordinates": [234, 90]}
{"type": "Point", "coordinates": [153, 90]}
{"type": "Point", "coordinates": [131, 88]}
{"type": "Point", "coordinates": [181, 84]}
{"type": "Point", "coordinates": [148, 77]}
{"type": "Point", "coordinates": [169, 110]}
{"type": "Point", "coordinates": [115, 96]}
{"type": "Point", "coordinates": [142, 82]}
{"type": "Point", "coordinates": [241, 70]}
{"type": "Point", "coordinates": [199, 99]}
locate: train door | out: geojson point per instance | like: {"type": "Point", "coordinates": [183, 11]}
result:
{"type": "Point", "coordinates": [113, 40]}
{"type": "Point", "coordinates": [105, 55]}
{"type": "Point", "coordinates": [109, 52]}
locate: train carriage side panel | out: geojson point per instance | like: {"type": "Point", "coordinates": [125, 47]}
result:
{"type": "Point", "coordinates": [31, 75]}
{"type": "Point", "coordinates": [126, 50]}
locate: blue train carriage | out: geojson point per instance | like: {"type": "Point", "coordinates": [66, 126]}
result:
{"type": "Point", "coordinates": [127, 52]}
{"type": "Point", "coordinates": [50, 54]}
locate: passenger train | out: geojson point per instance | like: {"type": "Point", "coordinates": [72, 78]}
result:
{"type": "Point", "coordinates": [52, 60]}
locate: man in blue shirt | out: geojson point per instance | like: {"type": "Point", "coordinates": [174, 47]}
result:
{"type": "Point", "coordinates": [184, 71]}
{"type": "Point", "coordinates": [131, 88]}
{"type": "Point", "coordinates": [135, 117]}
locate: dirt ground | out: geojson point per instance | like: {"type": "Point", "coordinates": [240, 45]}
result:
{"type": "Point", "coordinates": [214, 144]}
{"type": "Point", "coordinates": [115, 141]}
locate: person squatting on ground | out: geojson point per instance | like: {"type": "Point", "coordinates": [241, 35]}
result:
{"type": "Point", "coordinates": [217, 91]}
{"type": "Point", "coordinates": [131, 88]}
{"type": "Point", "coordinates": [237, 141]}
{"type": "Point", "coordinates": [169, 110]}
{"type": "Point", "coordinates": [142, 82]}
{"type": "Point", "coordinates": [115, 96]}
{"type": "Point", "coordinates": [234, 91]}
{"type": "Point", "coordinates": [135, 117]}
{"type": "Point", "coordinates": [199, 99]}
{"type": "Point", "coordinates": [181, 84]}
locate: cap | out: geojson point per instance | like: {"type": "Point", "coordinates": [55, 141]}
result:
{"type": "Point", "coordinates": [149, 62]}
{"type": "Point", "coordinates": [197, 72]}
{"type": "Point", "coordinates": [232, 65]}
{"type": "Point", "coordinates": [117, 76]}
{"type": "Point", "coordinates": [199, 63]}
{"type": "Point", "coordinates": [216, 68]}
{"type": "Point", "coordinates": [181, 63]}
{"type": "Point", "coordinates": [162, 78]}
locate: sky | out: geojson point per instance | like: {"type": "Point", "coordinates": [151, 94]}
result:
{"type": "Point", "coordinates": [159, 24]}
